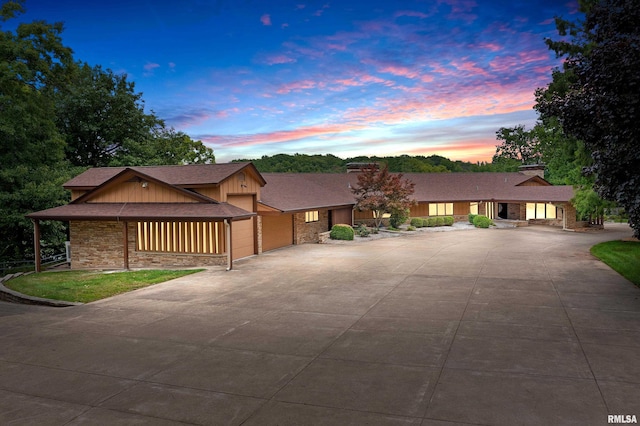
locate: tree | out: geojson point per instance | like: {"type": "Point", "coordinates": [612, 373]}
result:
{"type": "Point", "coordinates": [382, 192]}
{"type": "Point", "coordinates": [100, 114]}
{"type": "Point", "coordinates": [601, 103]}
{"type": "Point", "coordinates": [33, 66]}
{"type": "Point", "coordinates": [517, 144]}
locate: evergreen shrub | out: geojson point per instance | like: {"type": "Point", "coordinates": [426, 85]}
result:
{"type": "Point", "coordinates": [481, 221]}
{"type": "Point", "coordinates": [341, 232]}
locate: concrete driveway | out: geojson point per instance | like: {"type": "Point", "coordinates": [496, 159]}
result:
{"type": "Point", "coordinates": [493, 327]}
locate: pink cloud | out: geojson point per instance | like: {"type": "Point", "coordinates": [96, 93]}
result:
{"type": "Point", "coordinates": [279, 59]}
{"type": "Point", "coordinates": [296, 86]}
{"type": "Point", "coordinates": [265, 19]}
{"type": "Point", "coordinates": [410, 13]}
{"type": "Point", "coordinates": [150, 66]}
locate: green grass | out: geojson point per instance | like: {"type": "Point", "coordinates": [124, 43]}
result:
{"type": "Point", "coordinates": [622, 256]}
{"type": "Point", "coordinates": [89, 286]}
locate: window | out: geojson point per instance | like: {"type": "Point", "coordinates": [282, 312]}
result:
{"type": "Point", "coordinates": [181, 237]}
{"type": "Point", "coordinates": [473, 208]}
{"type": "Point", "coordinates": [311, 216]}
{"type": "Point", "coordinates": [440, 209]}
{"type": "Point", "coordinates": [541, 211]}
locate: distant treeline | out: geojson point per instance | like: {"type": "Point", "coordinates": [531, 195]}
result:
{"type": "Point", "coordinates": [303, 163]}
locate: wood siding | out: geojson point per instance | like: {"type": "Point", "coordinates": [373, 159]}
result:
{"type": "Point", "coordinates": [341, 216]}
{"type": "Point", "coordinates": [419, 210]}
{"type": "Point", "coordinates": [134, 192]}
{"type": "Point", "coordinates": [234, 185]}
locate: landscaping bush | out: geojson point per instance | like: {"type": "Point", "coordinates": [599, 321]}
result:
{"type": "Point", "coordinates": [411, 228]}
{"type": "Point", "coordinates": [439, 221]}
{"type": "Point", "coordinates": [471, 217]}
{"type": "Point", "coordinates": [431, 222]}
{"type": "Point", "coordinates": [341, 232]}
{"type": "Point", "coordinates": [398, 217]}
{"type": "Point", "coordinates": [481, 221]}
{"type": "Point", "coordinates": [448, 220]}
{"type": "Point", "coordinates": [416, 222]}
{"type": "Point", "coordinates": [362, 230]}
{"type": "Point", "coordinates": [425, 222]}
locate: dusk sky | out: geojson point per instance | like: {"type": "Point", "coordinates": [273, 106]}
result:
{"type": "Point", "coordinates": [255, 77]}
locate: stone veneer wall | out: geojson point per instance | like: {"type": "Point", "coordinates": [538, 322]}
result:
{"type": "Point", "coordinates": [308, 232]}
{"type": "Point", "coordinates": [98, 245]}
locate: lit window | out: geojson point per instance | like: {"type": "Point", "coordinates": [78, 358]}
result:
{"type": "Point", "coordinates": [473, 208]}
{"type": "Point", "coordinates": [440, 209]}
{"type": "Point", "coordinates": [541, 211]}
{"type": "Point", "coordinates": [311, 216]}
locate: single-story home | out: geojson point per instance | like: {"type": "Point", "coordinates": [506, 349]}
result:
{"type": "Point", "coordinates": [201, 215]}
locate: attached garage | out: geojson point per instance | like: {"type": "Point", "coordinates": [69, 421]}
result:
{"type": "Point", "coordinates": [277, 231]}
{"type": "Point", "coordinates": [243, 231]}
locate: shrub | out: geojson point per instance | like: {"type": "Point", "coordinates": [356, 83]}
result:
{"type": "Point", "coordinates": [471, 217]}
{"type": "Point", "coordinates": [416, 222]}
{"type": "Point", "coordinates": [362, 231]}
{"type": "Point", "coordinates": [431, 222]}
{"type": "Point", "coordinates": [411, 228]}
{"type": "Point", "coordinates": [341, 232]}
{"type": "Point", "coordinates": [448, 220]}
{"type": "Point", "coordinates": [481, 221]}
{"type": "Point", "coordinates": [425, 222]}
{"type": "Point", "coordinates": [398, 217]}
{"type": "Point", "coordinates": [439, 221]}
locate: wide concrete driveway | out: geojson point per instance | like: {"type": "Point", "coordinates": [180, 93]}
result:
{"type": "Point", "coordinates": [492, 327]}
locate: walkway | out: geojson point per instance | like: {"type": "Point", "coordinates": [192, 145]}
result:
{"type": "Point", "coordinates": [492, 327]}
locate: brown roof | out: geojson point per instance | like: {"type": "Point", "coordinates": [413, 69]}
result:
{"type": "Point", "coordinates": [305, 191]}
{"type": "Point", "coordinates": [144, 211]}
{"type": "Point", "coordinates": [183, 175]}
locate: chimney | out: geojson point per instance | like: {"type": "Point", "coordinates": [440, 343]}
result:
{"type": "Point", "coordinates": [358, 167]}
{"type": "Point", "coordinates": [532, 170]}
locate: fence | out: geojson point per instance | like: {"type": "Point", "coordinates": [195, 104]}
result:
{"type": "Point", "coordinates": [29, 264]}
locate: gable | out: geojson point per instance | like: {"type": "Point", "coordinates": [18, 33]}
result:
{"type": "Point", "coordinates": [534, 181]}
{"type": "Point", "coordinates": [131, 186]}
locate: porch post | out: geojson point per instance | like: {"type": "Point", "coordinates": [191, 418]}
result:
{"type": "Point", "coordinates": [125, 248]}
{"type": "Point", "coordinates": [36, 244]}
{"type": "Point", "coordinates": [227, 225]}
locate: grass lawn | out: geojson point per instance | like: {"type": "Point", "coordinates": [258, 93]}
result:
{"type": "Point", "coordinates": [622, 256]}
{"type": "Point", "coordinates": [88, 286]}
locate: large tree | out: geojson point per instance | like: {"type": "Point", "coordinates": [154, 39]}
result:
{"type": "Point", "coordinates": [600, 101]}
{"type": "Point", "coordinates": [382, 192]}
{"type": "Point", "coordinates": [33, 63]}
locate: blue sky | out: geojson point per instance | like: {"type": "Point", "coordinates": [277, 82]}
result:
{"type": "Point", "coordinates": [350, 77]}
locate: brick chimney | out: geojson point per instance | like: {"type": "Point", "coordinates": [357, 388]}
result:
{"type": "Point", "coordinates": [532, 170]}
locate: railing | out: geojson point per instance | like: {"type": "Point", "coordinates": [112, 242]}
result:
{"type": "Point", "coordinates": [29, 264]}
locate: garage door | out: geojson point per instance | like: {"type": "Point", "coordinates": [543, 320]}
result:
{"type": "Point", "coordinates": [277, 231]}
{"type": "Point", "coordinates": [242, 235]}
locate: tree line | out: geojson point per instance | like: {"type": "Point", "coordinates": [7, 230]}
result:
{"type": "Point", "coordinates": [329, 163]}
{"type": "Point", "coordinates": [58, 116]}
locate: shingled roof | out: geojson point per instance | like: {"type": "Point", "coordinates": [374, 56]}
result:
{"type": "Point", "coordinates": [144, 211]}
{"type": "Point", "coordinates": [183, 175]}
{"type": "Point", "coordinates": [290, 192]}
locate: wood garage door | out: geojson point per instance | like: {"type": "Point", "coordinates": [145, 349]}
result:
{"type": "Point", "coordinates": [242, 234]}
{"type": "Point", "coordinates": [277, 231]}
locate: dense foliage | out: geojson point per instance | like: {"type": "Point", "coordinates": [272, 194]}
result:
{"type": "Point", "coordinates": [596, 97]}
{"type": "Point", "coordinates": [342, 232]}
{"type": "Point", "coordinates": [59, 116]}
{"type": "Point", "coordinates": [303, 163]}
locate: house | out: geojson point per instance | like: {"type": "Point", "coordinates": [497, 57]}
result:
{"type": "Point", "coordinates": [202, 215]}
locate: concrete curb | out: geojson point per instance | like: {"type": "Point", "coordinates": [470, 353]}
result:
{"type": "Point", "coordinates": [8, 295]}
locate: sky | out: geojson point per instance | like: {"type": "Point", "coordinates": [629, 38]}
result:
{"type": "Point", "coordinates": [343, 77]}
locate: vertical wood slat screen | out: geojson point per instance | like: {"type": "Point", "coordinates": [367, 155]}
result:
{"type": "Point", "coordinates": [181, 237]}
